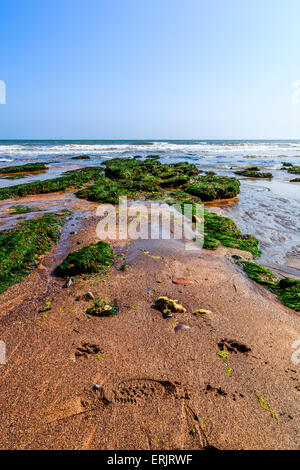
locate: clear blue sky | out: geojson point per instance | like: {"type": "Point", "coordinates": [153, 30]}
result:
{"type": "Point", "coordinates": [149, 69]}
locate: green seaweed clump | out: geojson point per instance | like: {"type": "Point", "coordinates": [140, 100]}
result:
{"type": "Point", "coordinates": [259, 274]}
{"type": "Point", "coordinates": [22, 209]}
{"type": "Point", "coordinates": [102, 308]}
{"type": "Point", "coordinates": [286, 289]}
{"type": "Point", "coordinates": [212, 187]}
{"type": "Point", "coordinates": [90, 259]}
{"type": "Point", "coordinates": [221, 230]}
{"type": "Point", "coordinates": [21, 247]}
{"type": "Point", "coordinates": [107, 192]}
{"type": "Point", "coordinates": [267, 407]}
{"type": "Point", "coordinates": [70, 180]}
{"type": "Point", "coordinates": [295, 169]}
{"type": "Point", "coordinates": [218, 229]}
{"type": "Point", "coordinates": [253, 172]}
{"type": "Point", "coordinates": [28, 168]}
{"type": "Point", "coordinates": [150, 169]}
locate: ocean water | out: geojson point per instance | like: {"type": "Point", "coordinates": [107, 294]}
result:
{"type": "Point", "coordinates": [267, 152]}
{"type": "Point", "coordinates": [268, 209]}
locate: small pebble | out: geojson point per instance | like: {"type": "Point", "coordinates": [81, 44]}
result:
{"type": "Point", "coordinates": [89, 296]}
{"type": "Point", "coordinates": [181, 326]}
{"type": "Point", "coordinates": [182, 281]}
{"type": "Point", "coordinates": [69, 282]}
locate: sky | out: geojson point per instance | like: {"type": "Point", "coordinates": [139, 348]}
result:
{"type": "Point", "coordinates": [158, 69]}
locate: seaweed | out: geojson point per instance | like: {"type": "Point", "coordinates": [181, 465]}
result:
{"type": "Point", "coordinates": [70, 180]}
{"type": "Point", "coordinates": [133, 169]}
{"type": "Point", "coordinates": [211, 187]}
{"type": "Point", "coordinates": [286, 289]}
{"type": "Point", "coordinates": [295, 169]}
{"type": "Point", "coordinates": [22, 209]}
{"type": "Point", "coordinates": [103, 308]}
{"type": "Point", "coordinates": [253, 172]}
{"type": "Point", "coordinates": [28, 168]}
{"type": "Point", "coordinates": [266, 406]}
{"type": "Point", "coordinates": [224, 230]}
{"type": "Point", "coordinates": [93, 258]}
{"type": "Point", "coordinates": [21, 247]}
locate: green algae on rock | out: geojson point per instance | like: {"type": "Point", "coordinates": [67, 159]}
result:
{"type": "Point", "coordinates": [22, 209]}
{"type": "Point", "coordinates": [222, 230]}
{"type": "Point", "coordinates": [121, 168]}
{"type": "Point", "coordinates": [21, 247]}
{"type": "Point", "coordinates": [103, 308]}
{"type": "Point", "coordinates": [218, 229]}
{"type": "Point", "coordinates": [90, 259]}
{"type": "Point", "coordinates": [106, 192]}
{"type": "Point", "coordinates": [70, 180]}
{"type": "Point", "coordinates": [253, 172]}
{"type": "Point", "coordinates": [28, 168]}
{"type": "Point", "coordinates": [288, 290]}
{"type": "Point", "coordinates": [294, 169]}
{"type": "Point", "coordinates": [134, 178]}
{"type": "Point", "coordinates": [212, 187]}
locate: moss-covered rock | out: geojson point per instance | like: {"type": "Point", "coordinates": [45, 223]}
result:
{"type": "Point", "coordinates": [294, 169]}
{"type": "Point", "coordinates": [28, 168]}
{"type": "Point", "coordinates": [254, 172]}
{"type": "Point", "coordinates": [22, 209]}
{"type": "Point", "coordinates": [108, 192]}
{"type": "Point", "coordinates": [212, 187]}
{"type": "Point", "coordinates": [21, 247]}
{"type": "Point", "coordinates": [103, 308]}
{"type": "Point", "coordinates": [133, 169]}
{"type": "Point", "coordinates": [90, 259]}
{"type": "Point", "coordinates": [218, 229]}
{"type": "Point", "coordinates": [70, 180]}
{"type": "Point", "coordinates": [288, 290]}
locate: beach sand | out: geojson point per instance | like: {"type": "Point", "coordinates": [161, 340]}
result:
{"type": "Point", "coordinates": [155, 388]}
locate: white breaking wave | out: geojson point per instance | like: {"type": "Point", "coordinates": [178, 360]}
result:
{"type": "Point", "coordinates": [166, 149]}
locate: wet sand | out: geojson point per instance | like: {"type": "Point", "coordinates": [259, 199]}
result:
{"type": "Point", "coordinates": [156, 388]}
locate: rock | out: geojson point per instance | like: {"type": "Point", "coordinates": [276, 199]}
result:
{"type": "Point", "coordinates": [182, 281]}
{"type": "Point", "coordinates": [236, 257]}
{"type": "Point", "coordinates": [164, 305]}
{"type": "Point", "coordinates": [181, 326]}
{"type": "Point", "coordinates": [96, 387]}
{"type": "Point", "coordinates": [124, 267]}
{"type": "Point", "coordinates": [88, 296]}
{"type": "Point", "coordinates": [69, 282]}
{"type": "Point", "coordinates": [201, 311]}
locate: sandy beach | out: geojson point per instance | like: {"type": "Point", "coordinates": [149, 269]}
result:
{"type": "Point", "coordinates": [74, 381]}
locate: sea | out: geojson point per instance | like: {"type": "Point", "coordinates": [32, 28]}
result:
{"type": "Point", "coordinates": [268, 209]}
